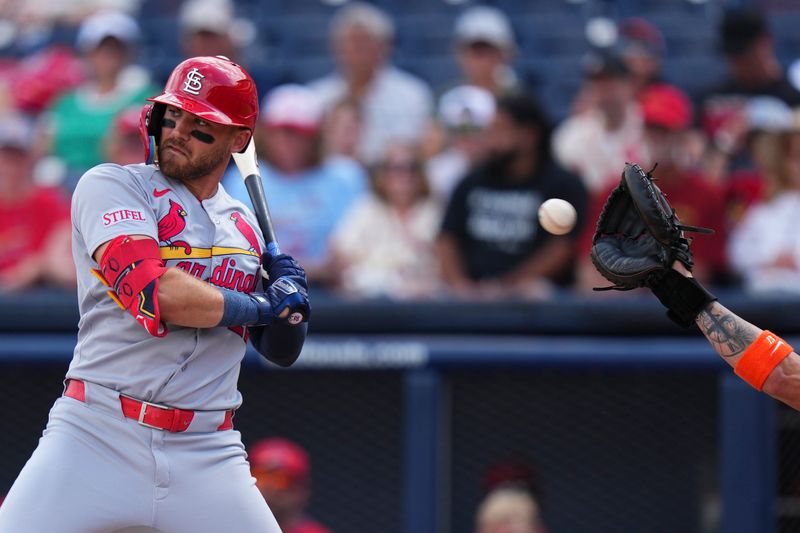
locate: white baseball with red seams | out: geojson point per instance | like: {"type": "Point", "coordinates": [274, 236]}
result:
{"type": "Point", "coordinates": [557, 216]}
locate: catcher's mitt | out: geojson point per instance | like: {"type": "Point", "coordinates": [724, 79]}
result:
{"type": "Point", "coordinates": [637, 240]}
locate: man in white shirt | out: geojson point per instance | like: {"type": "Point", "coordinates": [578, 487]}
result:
{"type": "Point", "coordinates": [395, 104]}
{"type": "Point", "coordinates": [598, 141]}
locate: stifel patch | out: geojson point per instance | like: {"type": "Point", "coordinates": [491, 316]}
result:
{"type": "Point", "coordinates": [122, 214]}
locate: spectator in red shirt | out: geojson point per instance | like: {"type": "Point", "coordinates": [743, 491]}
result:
{"type": "Point", "coordinates": [667, 115]}
{"type": "Point", "coordinates": [283, 475]}
{"type": "Point", "coordinates": [34, 220]}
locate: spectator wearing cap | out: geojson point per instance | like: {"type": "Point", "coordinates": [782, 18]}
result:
{"type": "Point", "coordinates": [485, 48]}
{"type": "Point", "coordinates": [753, 70]}
{"type": "Point", "coordinates": [36, 229]}
{"type": "Point", "coordinates": [464, 113]}
{"type": "Point", "coordinates": [283, 475]}
{"type": "Point", "coordinates": [597, 142]}
{"type": "Point", "coordinates": [668, 117]}
{"type": "Point", "coordinates": [767, 120]}
{"type": "Point", "coordinates": [311, 193]}
{"type": "Point", "coordinates": [207, 28]}
{"type": "Point", "coordinates": [395, 105]}
{"type": "Point", "coordinates": [643, 48]}
{"type": "Point", "coordinates": [78, 121]}
{"type": "Point", "coordinates": [764, 246]}
{"type": "Point", "coordinates": [490, 244]}
{"type": "Point", "coordinates": [384, 245]}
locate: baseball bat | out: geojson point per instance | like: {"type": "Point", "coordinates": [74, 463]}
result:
{"type": "Point", "coordinates": [247, 163]}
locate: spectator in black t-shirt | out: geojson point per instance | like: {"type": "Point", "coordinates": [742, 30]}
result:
{"type": "Point", "coordinates": [491, 243]}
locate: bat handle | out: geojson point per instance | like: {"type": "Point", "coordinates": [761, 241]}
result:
{"type": "Point", "coordinates": [273, 249]}
{"type": "Point", "coordinates": [295, 317]}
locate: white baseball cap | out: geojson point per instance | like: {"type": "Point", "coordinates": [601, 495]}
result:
{"type": "Point", "coordinates": [767, 113]}
{"type": "Point", "coordinates": [466, 106]}
{"type": "Point", "coordinates": [214, 16]}
{"type": "Point", "coordinates": [106, 24]}
{"type": "Point", "coordinates": [484, 24]}
{"type": "Point", "coordinates": [293, 106]}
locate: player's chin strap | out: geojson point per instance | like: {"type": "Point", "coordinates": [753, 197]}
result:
{"type": "Point", "coordinates": [150, 130]}
{"type": "Point", "coordinates": [131, 268]}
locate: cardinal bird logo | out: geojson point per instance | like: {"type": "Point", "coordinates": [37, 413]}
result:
{"type": "Point", "coordinates": [246, 230]}
{"type": "Point", "coordinates": [171, 225]}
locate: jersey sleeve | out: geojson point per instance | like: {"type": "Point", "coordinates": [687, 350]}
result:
{"type": "Point", "coordinates": [110, 201]}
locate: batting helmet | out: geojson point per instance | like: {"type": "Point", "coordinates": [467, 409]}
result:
{"type": "Point", "coordinates": [213, 88]}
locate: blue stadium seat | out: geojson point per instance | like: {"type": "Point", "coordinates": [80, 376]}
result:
{"type": "Point", "coordinates": [693, 74]}
{"type": "Point", "coordinates": [298, 36]}
{"type": "Point", "coordinates": [438, 71]}
{"type": "Point", "coordinates": [423, 35]}
{"type": "Point", "coordinates": [517, 8]}
{"type": "Point", "coordinates": [416, 7]}
{"type": "Point", "coordinates": [306, 69]}
{"type": "Point", "coordinates": [784, 26]}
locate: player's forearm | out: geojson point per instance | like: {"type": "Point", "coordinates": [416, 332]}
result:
{"type": "Point", "coordinates": [450, 262]}
{"type": "Point", "coordinates": [188, 301]}
{"type": "Point", "coordinates": [551, 259]}
{"type": "Point", "coordinates": [280, 343]}
{"type": "Point", "coordinates": [731, 335]}
{"type": "Point", "coordinates": [728, 333]}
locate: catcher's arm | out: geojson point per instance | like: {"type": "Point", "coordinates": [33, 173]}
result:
{"type": "Point", "coordinates": [731, 336]}
{"type": "Point", "coordinates": [639, 242]}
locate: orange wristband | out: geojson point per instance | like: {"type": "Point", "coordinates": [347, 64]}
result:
{"type": "Point", "coordinates": [761, 358]}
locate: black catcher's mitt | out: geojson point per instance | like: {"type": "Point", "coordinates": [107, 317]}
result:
{"type": "Point", "coordinates": [637, 240]}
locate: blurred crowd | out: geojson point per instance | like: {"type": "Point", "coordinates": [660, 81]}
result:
{"type": "Point", "coordinates": [383, 186]}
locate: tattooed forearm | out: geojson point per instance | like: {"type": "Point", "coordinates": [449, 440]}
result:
{"type": "Point", "coordinates": [728, 334]}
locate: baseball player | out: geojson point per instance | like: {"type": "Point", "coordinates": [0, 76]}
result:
{"type": "Point", "coordinates": [640, 242]}
{"type": "Point", "coordinates": [169, 291]}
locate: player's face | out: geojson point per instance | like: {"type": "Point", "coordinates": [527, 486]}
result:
{"type": "Point", "coordinates": [191, 147]}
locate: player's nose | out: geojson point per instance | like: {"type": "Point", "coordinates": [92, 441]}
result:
{"type": "Point", "coordinates": [182, 129]}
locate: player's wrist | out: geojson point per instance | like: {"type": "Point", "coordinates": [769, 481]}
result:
{"type": "Point", "coordinates": [683, 296]}
{"type": "Point", "coordinates": [761, 357]}
{"type": "Point", "coordinates": [240, 309]}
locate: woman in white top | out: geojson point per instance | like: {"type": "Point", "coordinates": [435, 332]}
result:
{"type": "Point", "coordinates": [383, 246]}
{"type": "Point", "coordinates": [765, 246]}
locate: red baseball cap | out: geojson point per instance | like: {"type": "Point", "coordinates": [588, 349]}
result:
{"type": "Point", "coordinates": [666, 106]}
{"type": "Point", "coordinates": [280, 460]}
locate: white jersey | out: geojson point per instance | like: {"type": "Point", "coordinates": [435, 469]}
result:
{"type": "Point", "coordinates": [216, 240]}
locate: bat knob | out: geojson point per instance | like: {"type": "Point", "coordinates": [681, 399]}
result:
{"type": "Point", "coordinates": [295, 318]}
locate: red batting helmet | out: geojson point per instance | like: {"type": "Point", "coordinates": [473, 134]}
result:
{"type": "Point", "coordinates": [214, 88]}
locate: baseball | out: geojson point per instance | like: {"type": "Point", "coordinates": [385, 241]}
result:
{"type": "Point", "coordinates": [557, 216]}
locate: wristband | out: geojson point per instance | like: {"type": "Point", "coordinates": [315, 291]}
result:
{"type": "Point", "coordinates": [239, 309]}
{"type": "Point", "coordinates": [761, 358]}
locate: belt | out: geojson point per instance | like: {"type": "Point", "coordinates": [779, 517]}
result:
{"type": "Point", "coordinates": [148, 414]}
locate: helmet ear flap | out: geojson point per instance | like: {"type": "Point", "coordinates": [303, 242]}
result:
{"type": "Point", "coordinates": [150, 129]}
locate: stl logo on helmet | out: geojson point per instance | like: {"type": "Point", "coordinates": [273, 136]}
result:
{"type": "Point", "coordinates": [193, 84]}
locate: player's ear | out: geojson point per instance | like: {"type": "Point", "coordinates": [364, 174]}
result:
{"type": "Point", "coordinates": [240, 140]}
